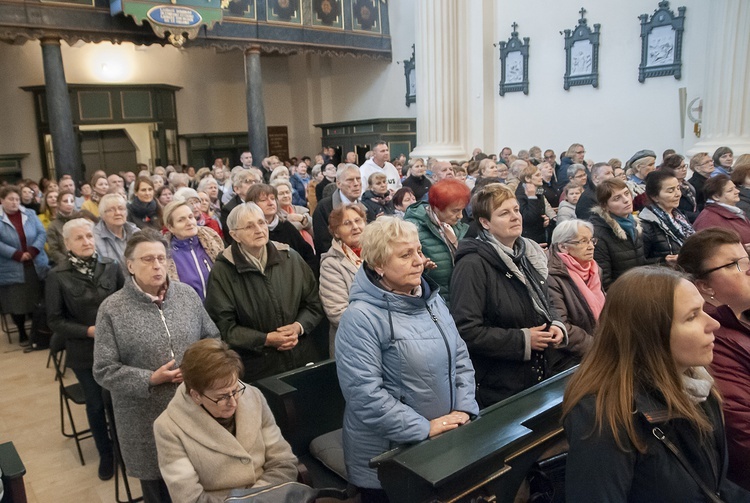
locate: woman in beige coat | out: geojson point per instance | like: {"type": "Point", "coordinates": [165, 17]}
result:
{"type": "Point", "coordinates": [339, 264]}
{"type": "Point", "coordinates": [218, 433]}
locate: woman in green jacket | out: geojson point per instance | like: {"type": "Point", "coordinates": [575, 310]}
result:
{"type": "Point", "coordinates": [440, 229]}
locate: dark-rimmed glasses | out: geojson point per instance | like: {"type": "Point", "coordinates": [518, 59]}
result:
{"type": "Point", "coordinates": [742, 264]}
{"type": "Point", "coordinates": [224, 400]}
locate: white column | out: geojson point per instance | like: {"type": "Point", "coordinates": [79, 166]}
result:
{"type": "Point", "coordinates": [726, 96]}
{"type": "Point", "coordinates": [440, 101]}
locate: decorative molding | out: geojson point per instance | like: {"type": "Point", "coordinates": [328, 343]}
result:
{"type": "Point", "coordinates": [581, 54]}
{"type": "Point", "coordinates": [661, 43]}
{"type": "Point", "coordinates": [514, 61]}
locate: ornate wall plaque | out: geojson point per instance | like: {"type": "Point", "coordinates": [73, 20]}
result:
{"type": "Point", "coordinates": [410, 72]}
{"type": "Point", "coordinates": [661, 43]}
{"type": "Point", "coordinates": [514, 61]}
{"type": "Point", "coordinates": [582, 54]}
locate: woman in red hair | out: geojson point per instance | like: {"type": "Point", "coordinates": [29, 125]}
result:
{"type": "Point", "coordinates": [440, 228]}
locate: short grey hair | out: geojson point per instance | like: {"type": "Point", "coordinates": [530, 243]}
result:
{"type": "Point", "coordinates": [566, 231]}
{"type": "Point", "coordinates": [315, 170]}
{"type": "Point", "coordinates": [240, 176]}
{"type": "Point", "coordinates": [517, 166]}
{"type": "Point", "coordinates": [343, 170]}
{"type": "Point", "coordinates": [278, 171]}
{"type": "Point", "coordinates": [282, 181]}
{"type": "Point", "coordinates": [74, 224]}
{"type": "Point", "coordinates": [242, 212]}
{"type": "Point", "coordinates": [575, 168]}
{"type": "Point", "coordinates": [379, 237]}
{"type": "Point", "coordinates": [204, 183]}
{"type": "Point", "coordinates": [110, 200]}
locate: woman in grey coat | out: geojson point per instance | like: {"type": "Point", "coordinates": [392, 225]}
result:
{"type": "Point", "coordinates": [142, 332]}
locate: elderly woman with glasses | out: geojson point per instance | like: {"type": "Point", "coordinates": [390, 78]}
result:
{"type": "Point", "coordinates": [75, 289]}
{"type": "Point", "coordinates": [113, 230]}
{"type": "Point", "coordinates": [676, 165]}
{"type": "Point", "coordinates": [264, 298]}
{"type": "Point", "coordinates": [575, 289]}
{"type": "Point", "coordinates": [702, 166]}
{"type": "Point", "coordinates": [218, 433]}
{"type": "Point", "coordinates": [718, 263]}
{"type": "Point", "coordinates": [142, 332]}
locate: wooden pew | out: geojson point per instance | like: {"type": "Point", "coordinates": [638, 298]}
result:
{"type": "Point", "coordinates": [489, 457]}
{"type": "Point", "coordinates": [13, 472]}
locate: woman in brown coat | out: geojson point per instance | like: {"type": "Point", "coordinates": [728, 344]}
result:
{"type": "Point", "coordinates": [575, 289]}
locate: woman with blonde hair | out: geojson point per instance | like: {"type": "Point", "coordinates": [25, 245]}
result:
{"type": "Point", "coordinates": [48, 209]}
{"type": "Point", "coordinates": [642, 412]}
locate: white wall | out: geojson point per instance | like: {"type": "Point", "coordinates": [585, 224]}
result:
{"type": "Point", "coordinates": [622, 115]}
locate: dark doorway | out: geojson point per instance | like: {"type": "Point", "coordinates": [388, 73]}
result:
{"type": "Point", "coordinates": [111, 150]}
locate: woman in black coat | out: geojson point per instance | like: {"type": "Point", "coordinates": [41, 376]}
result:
{"type": "Point", "coordinates": [500, 302]}
{"type": "Point", "coordinates": [665, 227]}
{"type": "Point", "coordinates": [641, 414]}
{"type": "Point", "coordinates": [619, 233]}
{"type": "Point", "coordinates": [74, 290]}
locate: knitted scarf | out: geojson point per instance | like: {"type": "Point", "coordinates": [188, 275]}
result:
{"type": "Point", "coordinates": [627, 224]}
{"type": "Point", "coordinates": [676, 222]}
{"type": "Point", "coordinates": [587, 280]}
{"type": "Point", "coordinates": [143, 211]}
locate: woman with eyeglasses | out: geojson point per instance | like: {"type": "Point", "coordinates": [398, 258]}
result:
{"type": "Point", "coordinates": [340, 263]}
{"type": "Point", "coordinates": [113, 231]}
{"type": "Point", "coordinates": [218, 433]}
{"type": "Point", "coordinates": [720, 268]}
{"type": "Point", "coordinates": [142, 332]}
{"type": "Point", "coordinates": [264, 298]}
{"type": "Point", "coordinates": [701, 165]}
{"type": "Point", "coordinates": [665, 227]}
{"type": "Point", "coordinates": [721, 210]}
{"type": "Point", "coordinates": [575, 289]}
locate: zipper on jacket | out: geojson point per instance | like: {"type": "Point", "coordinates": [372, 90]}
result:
{"type": "Point", "coordinates": [200, 273]}
{"type": "Point", "coordinates": [448, 350]}
{"type": "Point", "coordinates": [169, 335]}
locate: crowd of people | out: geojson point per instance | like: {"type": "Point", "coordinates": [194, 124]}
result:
{"type": "Point", "coordinates": [440, 288]}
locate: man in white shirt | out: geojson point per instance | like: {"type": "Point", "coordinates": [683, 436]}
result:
{"type": "Point", "coordinates": [379, 164]}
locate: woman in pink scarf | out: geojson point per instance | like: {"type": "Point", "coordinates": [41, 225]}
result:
{"type": "Point", "coordinates": [575, 288]}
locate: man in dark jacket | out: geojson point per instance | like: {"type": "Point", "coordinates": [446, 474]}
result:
{"type": "Point", "coordinates": [600, 172]}
{"type": "Point", "coordinates": [349, 183]}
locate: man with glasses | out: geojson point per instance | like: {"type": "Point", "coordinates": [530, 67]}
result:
{"type": "Point", "coordinates": [551, 159]}
{"type": "Point", "coordinates": [349, 190]}
{"type": "Point", "coordinates": [113, 231]}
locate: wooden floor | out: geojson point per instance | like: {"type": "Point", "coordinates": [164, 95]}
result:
{"type": "Point", "coordinates": [30, 418]}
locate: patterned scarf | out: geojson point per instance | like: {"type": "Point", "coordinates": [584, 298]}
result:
{"type": "Point", "coordinates": [688, 191]}
{"type": "Point", "coordinates": [676, 222]}
{"type": "Point", "coordinates": [85, 266]}
{"type": "Point", "coordinates": [447, 233]}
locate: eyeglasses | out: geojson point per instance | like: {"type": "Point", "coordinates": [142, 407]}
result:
{"type": "Point", "coordinates": [150, 259]}
{"type": "Point", "coordinates": [584, 242]}
{"type": "Point", "coordinates": [252, 227]}
{"type": "Point", "coordinates": [116, 209]}
{"type": "Point", "coordinates": [742, 264]}
{"type": "Point", "coordinates": [224, 399]}
{"type": "Point", "coordinates": [349, 223]}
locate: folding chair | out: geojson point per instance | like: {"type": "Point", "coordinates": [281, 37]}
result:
{"type": "Point", "coordinates": [119, 463]}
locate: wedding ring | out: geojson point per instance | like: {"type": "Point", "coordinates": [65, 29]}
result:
{"type": "Point", "coordinates": [445, 423]}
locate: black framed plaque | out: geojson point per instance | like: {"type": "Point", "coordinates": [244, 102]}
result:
{"type": "Point", "coordinates": [514, 61]}
{"type": "Point", "coordinates": [582, 54]}
{"type": "Point", "coordinates": [410, 73]}
{"type": "Point", "coordinates": [661, 43]}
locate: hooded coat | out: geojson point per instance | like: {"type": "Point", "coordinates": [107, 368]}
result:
{"type": "Point", "coordinates": [201, 461]}
{"type": "Point", "coordinates": [400, 363]}
{"type": "Point", "coordinates": [247, 304]}
{"type": "Point", "coordinates": [615, 252]}
{"type": "Point", "coordinates": [494, 311]}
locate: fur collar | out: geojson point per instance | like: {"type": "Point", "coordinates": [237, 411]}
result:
{"type": "Point", "coordinates": [612, 223]}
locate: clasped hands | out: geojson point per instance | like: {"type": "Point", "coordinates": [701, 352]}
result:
{"type": "Point", "coordinates": [284, 338]}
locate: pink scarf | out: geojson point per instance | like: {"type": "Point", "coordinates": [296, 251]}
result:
{"type": "Point", "coordinates": [587, 279]}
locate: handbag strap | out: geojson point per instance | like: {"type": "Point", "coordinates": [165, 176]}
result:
{"type": "Point", "coordinates": [711, 495]}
